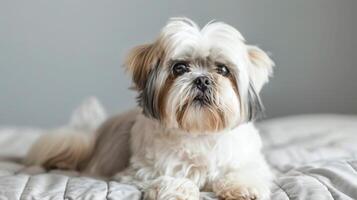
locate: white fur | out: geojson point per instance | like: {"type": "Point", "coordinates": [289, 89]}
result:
{"type": "Point", "coordinates": [231, 157]}
{"type": "Point", "coordinates": [228, 162]}
{"type": "Point", "coordinates": [168, 162]}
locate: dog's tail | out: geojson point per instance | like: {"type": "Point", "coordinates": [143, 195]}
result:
{"type": "Point", "coordinates": [61, 149]}
{"type": "Point", "coordinates": [69, 147]}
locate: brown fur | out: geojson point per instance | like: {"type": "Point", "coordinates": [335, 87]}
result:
{"type": "Point", "coordinates": [140, 61]}
{"type": "Point", "coordinates": [162, 97]}
{"type": "Point", "coordinates": [214, 120]}
{"type": "Point", "coordinates": [180, 113]}
{"type": "Point", "coordinates": [212, 123]}
{"type": "Point", "coordinates": [64, 149]}
{"type": "Point", "coordinates": [112, 139]}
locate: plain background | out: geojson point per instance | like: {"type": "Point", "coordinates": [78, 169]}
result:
{"type": "Point", "coordinates": [53, 54]}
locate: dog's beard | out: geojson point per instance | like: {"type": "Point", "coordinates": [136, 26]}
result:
{"type": "Point", "coordinates": [166, 95]}
{"type": "Point", "coordinates": [198, 112]}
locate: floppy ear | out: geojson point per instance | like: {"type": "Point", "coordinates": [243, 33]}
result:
{"type": "Point", "coordinates": [259, 71]}
{"type": "Point", "coordinates": [261, 67]}
{"type": "Point", "coordinates": [140, 61]}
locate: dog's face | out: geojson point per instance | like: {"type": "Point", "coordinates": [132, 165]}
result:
{"type": "Point", "coordinates": [199, 80]}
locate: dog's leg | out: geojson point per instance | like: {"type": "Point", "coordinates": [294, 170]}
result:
{"type": "Point", "coordinates": [167, 188]}
{"type": "Point", "coordinates": [161, 188]}
{"type": "Point", "coordinates": [251, 182]}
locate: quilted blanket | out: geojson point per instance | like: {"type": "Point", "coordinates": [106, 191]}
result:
{"type": "Point", "coordinates": [313, 156]}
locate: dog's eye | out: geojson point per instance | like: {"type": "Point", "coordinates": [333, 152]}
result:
{"type": "Point", "coordinates": [180, 68]}
{"type": "Point", "coordinates": [223, 70]}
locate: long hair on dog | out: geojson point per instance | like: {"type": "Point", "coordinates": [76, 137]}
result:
{"type": "Point", "coordinates": [198, 92]}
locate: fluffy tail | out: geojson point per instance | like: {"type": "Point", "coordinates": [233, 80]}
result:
{"type": "Point", "coordinates": [61, 149]}
{"type": "Point", "coordinates": [71, 146]}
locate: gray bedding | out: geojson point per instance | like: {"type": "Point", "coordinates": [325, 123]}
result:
{"type": "Point", "coordinates": [313, 157]}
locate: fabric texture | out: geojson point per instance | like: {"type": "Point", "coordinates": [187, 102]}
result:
{"type": "Point", "coordinates": [313, 157]}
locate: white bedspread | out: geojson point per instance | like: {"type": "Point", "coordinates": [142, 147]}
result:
{"type": "Point", "coordinates": [313, 157]}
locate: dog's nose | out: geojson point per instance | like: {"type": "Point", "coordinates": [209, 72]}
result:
{"type": "Point", "coordinates": [202, 83]}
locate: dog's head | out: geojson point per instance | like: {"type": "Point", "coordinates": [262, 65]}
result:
{"type": "Point", "coordinates": [199, 80]}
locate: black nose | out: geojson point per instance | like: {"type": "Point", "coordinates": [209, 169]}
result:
{"type": "Point", "coordinates": [202, 83]}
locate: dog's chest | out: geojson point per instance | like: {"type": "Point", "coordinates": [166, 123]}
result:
{"type": "Point", "coordinates": [199, 158]}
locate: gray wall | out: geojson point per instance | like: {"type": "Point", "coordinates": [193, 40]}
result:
{"type": "Point", "coordinates": [53, 54]}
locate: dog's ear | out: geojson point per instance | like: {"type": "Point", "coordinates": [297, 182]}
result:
{"type": "Point", "coordinates": [261, 67]}
{"type": "Point", "coordinates": [140, 61]}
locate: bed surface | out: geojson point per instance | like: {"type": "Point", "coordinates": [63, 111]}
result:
{"type": "Point", "coordinates": [313, 157]}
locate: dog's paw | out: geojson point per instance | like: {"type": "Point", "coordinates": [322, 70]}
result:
{"type": "Point", "coordinates": [238, 193]}
{"type": "Point", "coordinates": [228, 190]}
{"type": "Point", "coordinates": [169, 188]}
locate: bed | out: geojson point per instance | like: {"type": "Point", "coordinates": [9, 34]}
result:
{"type": "Point", "coordinates": [313, 157]}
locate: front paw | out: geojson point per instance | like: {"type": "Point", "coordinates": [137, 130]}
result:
{"type": "Point", "coordinates": [169, 188]}
{"type": "Point", "coordinates": [230, 190]}
{"type": "Point", "coordinates": [237, 193]}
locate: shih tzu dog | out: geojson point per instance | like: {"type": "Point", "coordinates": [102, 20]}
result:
{"type": "Point", "coordinates": [198, 93]}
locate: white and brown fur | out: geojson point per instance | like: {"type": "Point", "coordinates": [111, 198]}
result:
{"type": "Point", "coordinates": [175, 145]}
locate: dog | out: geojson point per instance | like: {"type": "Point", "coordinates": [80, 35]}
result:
{"type": "Point", "coordinates": [198, 95]}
